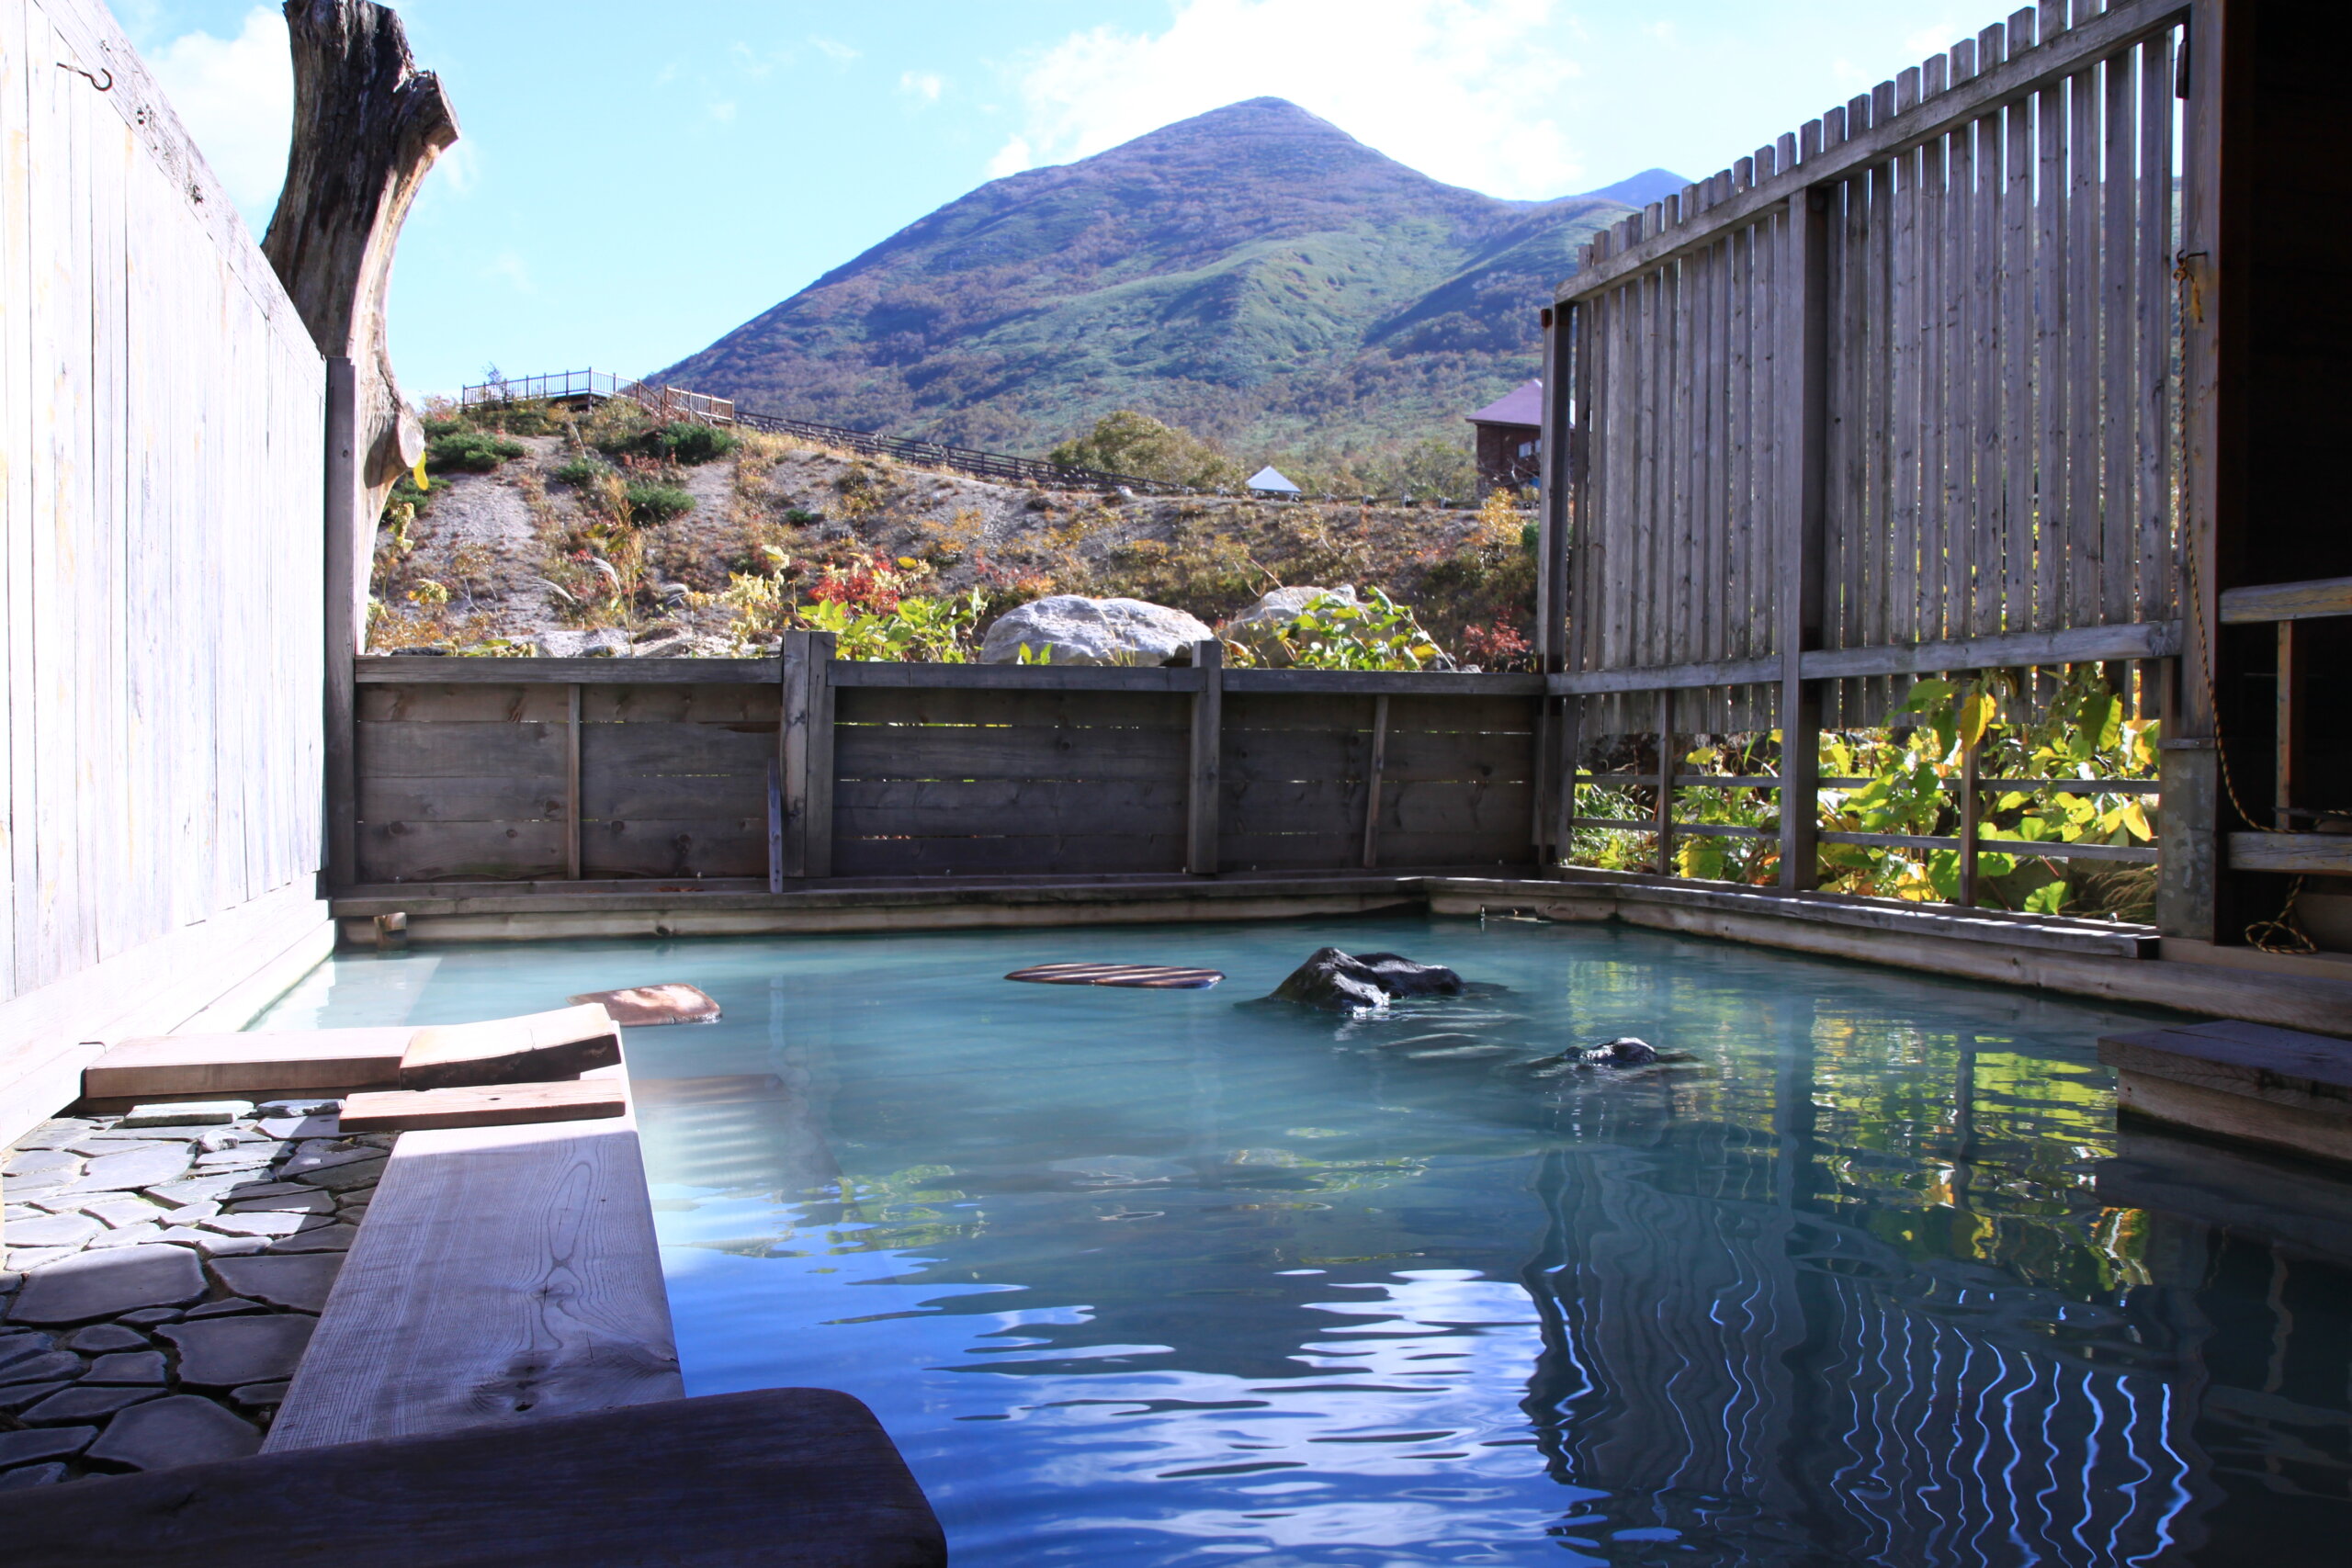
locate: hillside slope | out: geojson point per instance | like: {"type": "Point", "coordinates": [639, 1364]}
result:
{"type": "Point", "coordinates": [1253, 273]}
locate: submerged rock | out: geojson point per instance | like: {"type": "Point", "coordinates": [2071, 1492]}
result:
{"type": "Point", "coordinates": [1335, 979]}
{"type": "Point", "coordinates": [1622, 1052]}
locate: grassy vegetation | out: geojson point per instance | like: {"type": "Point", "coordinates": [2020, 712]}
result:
{"type": "Point", "coordinates": [469, 452]}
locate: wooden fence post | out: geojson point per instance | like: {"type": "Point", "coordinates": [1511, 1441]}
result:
{"type": "Point", "coordinates": [1804, 429]}
{"type": "Point", "coordinates": [1972, 821]}
{"type": "Point", "coordinates": [1208, 738]}
{"type": "Point", "coordinates": [346, 629]}
{"type": "Point", "coordinates": [1666, 760]}
{"type": "Point", "coordinates": [805, 742]}
{"type": "Point", "coordinates": [571, 786]}
{"type": "Point", "coordinates": [1372, 781]}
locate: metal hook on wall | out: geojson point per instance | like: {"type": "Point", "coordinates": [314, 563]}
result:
{"type": "Point", "coordinates": [104, 86]}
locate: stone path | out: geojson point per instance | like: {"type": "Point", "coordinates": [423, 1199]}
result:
{"type": "Point", "coordinates": [162, 1280]}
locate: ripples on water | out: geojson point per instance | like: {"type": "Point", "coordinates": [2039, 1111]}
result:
{"type": "Point", "coordinates": [1155, 1279]}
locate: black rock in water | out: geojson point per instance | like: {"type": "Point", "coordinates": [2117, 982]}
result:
{"type": "Point", "coordinates": [1334, 979]}
{"type": "Point", "coordinates": [1622, 1052]}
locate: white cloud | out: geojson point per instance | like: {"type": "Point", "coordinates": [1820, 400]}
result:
{"type": "Point", "coordinates": [1455, 88]}
{"type": "Point", "coordinates": [1934, 40]}
{"type": "Point", "coordinates": [723, 111]}
{"type": "Point", "coordinates": [833, 49]}
{"type": "Point", "coordinates": [236, 97]}
{"type": "Point", "coordinates": [509, 267]}
{"type": "Point", "coordinates": [922, 85]}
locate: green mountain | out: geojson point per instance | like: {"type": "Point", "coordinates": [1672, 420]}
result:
{"type": "Point", "coordinates": [1255, 274]}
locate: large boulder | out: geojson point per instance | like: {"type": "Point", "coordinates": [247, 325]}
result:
{"type": "Point", "coordinates": [1335, 979]}
{"type": "Point", "coordinates": [1074, 630]}
{"type": "Point", "coordinates": [1261, 626]}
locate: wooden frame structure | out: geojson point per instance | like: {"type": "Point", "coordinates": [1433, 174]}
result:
{"type": "Point", "coordinates": [1948, 381]}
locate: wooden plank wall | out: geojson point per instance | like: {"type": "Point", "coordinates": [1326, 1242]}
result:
{"type": "Point", "coordinates": [1056, 772]}
{"type": "Point", "coordinates": [2001, 381]}
{"type": "Point", "coordinates": [161, 534]}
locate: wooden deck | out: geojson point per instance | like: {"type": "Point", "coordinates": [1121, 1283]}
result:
{"type": "Point", "coordinates": [2246, 1082]}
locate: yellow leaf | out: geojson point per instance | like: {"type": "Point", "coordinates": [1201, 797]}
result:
{"type": "Point", "coordinates": [2135, 817]}
{"type": "Point", "coordinates": [417, 474]}
{"type": "Point", "coordinates": [1975, 715]}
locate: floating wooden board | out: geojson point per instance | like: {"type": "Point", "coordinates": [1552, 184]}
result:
{"type": "Point", "coordinates": [1146, 977]}
{"type": "Point", "coordinates": [534, 1048]}
{"type": "Point", "coordinates": [791, 1477]}
{"type": "Point", "coordinates": [483, 1105]}
{"type": "Point", "coordinates": [201, 1065]}
{"type": "Point", "coordinates": [636, 1006]}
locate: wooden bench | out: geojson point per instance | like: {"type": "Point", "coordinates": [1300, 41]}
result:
{"type": "Point", "coordinates": [502, 1271]}
{"type": "Point", "coordinates": [784, 1478]}
{"type": "Point", "coordinates": [2278, 1088]}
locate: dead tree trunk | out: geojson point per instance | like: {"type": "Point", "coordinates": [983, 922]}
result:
{"type": "Point", "coordinates": [368, 125]}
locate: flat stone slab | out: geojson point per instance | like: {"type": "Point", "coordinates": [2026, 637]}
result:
{"type": "Point", "coordinates": [165, 1434]}
{"type": "Point", "coordinates": [197, 1188]}
{"type": "Point", "coordinates": [224, 1352]}
{"type": "Point", "coordinates": [129, 1236]}
{"type": "Point", "coordinates": [187, 1113]}
{"type": "Point", "coordinates": [300, 1281]}
{"type": "Point", "coordinates": [31, 1475]}
{"type": "Point", "coordinates": [313, 1126]}
{"type": "Point", "coordinates": [259, 1395]}
{"type": "Point", "coordinates": [343, 1178]}
{"type": "Point", "coordinates": [118, 1212]}
{"type": "Point", "coordinates": [20, 1344]}
{"type": "Point", "coordinates": [100, 1337]}
{"type": "Point", "coordinates": [794, 1478]}
{"type": "Point", "coordinates": [43, 1368]}
{"type": "Point", "coordinates": [32, 1162]}
{"type": "Point", "coordinates": [17, 1396]}
{"type": "Point", "coordinates": [302, 1201]}
{"type": "Point", "coordinates": [53, 1230]}
{"type": "Point", "coordinates": [127, 1367]}
{"type": "Point", "coordinates": [327, 1238]}
{"type": "Point", "coordinates": [107, 1285]}
{"type": "Point", "coordinates": [135, 1167]}
{"type": "Point", "coordinates": [265, 1223]}
{"type": "Point", "coordinates": [87, 1404]}
{"type": "Point", "coordinates": [54, 1442]}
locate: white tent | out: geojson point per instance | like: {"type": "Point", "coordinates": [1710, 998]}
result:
{"type": "Point", "coordinates": [1271, 478]}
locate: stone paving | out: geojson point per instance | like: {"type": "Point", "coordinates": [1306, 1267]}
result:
{"type": "Point", "coordinates": [163, 1273]}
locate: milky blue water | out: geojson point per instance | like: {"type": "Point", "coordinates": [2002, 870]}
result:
{"type": "Point", "coordinates": [1161, 1278]}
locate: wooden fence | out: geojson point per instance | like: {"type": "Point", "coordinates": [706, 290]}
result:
{"type": "Point", "coordinates": [162, 534]}
{"type": "Point", "coordinates": [1898, 394]}
{"type": "Point", "coordinates": [805, 767]}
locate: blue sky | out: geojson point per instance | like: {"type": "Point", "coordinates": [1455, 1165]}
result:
{"type": "Point", "coordinates": [636, 179]}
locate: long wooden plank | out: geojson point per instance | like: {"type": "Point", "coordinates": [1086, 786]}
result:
{"type": "Point", "coordinates": [247, 1064]}
{"type": "Point", "coordinates": [1023, 855]}
{"type": "Point", "coordinates": [915, 707]}
{"type": "Point", "coordinates": [780, 1478]}
{"type": "Point", "coordinates": [483, 1105]}
{"type": "Point", "coordinates": [2287, 602]}
{"type": "Point", "coordinates": [503, 1272]}
{"type": "Point", "coordinates": [561, 1043]}
{"type": "Point", "coordinates": [889, 807]}
{"type": "Point", "coordinates": [410, 669]}
{"type": "Point", "coordinates": [1009, 752]}
{"type": "Point", "coordinates": [2316, 854]}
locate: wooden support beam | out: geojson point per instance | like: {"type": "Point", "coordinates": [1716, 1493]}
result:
{"type": "Point", "coordinates": [538, 1046]}
{"type": "Point", "coordinates": [2288, 709]}
{"type": "Point", "coordinates": [1567, 741]}
{"type": "Point", "coordinates": [1971, 822]}
{"type": "Point", "coordinates": [572, 786]}
{"type": "Point", "coordinates": [346, 569]}
{"type": "Point", "coordinates": [1805, 431]}
{"type": "Point", "coordinates": [1207, 742]}
{"type": "Point", "coordinates": [805, 744]}
{"type": "Point", "coordinates": [1664, 815]}
{"type": "Point", "coordinates": [488, 1105]}
{"type": "Point", "coordinates": [171, 1066]}
{"type": "Point", "coordinates": [1371, 782]}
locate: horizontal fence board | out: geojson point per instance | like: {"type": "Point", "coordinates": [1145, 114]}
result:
{"type": "Point", "coordinates": [867, 809]}
{"type": "Point", "coordinates": [391, 799]}
{"type": "Point", "coordinates": [676, 750]}
{"type": "Point", "coordinates": [507, 702]}
{"type": "Point", "coordinates": [2286, 601]}
{"type": "Point", "coordinates": [719, 702]}
{"type": "Point", "coordinates": [1410, 810]}
{"type": "Point", "coordinates": [410, 669]}
{"type": "Point", "coordinates": [2327, 854]}
{"type": "Point", "coordinates": [462, 852]}
{"type": "Point", "coordinates": [1071, 710]}
{"type": "Point", "coordinates": [1488, 756]}
{"type": "Point", "coordinates": [874, 751]}
{"type": "Point", "coordinates": [1254, 756]}
{"type": "Point", "coordinates": [398, 749]}
{"type": "Point", "coordinates": [671, 847]}
{"type": "Point", "coordinates": [1452, 716]}
{"type": "Point", "coordinates": [606, 797]}
{"type": "Point", "coordinates": [1406, 850]}
{"type": "Point", "coordinates": [1074, 855]}
{"type": "Point", "coordinates": [1384, 683]}
{"type": "Point", "coordinates": [1260, 851]}
{"type": "Point", "coordinates": [1266, 711]}
{"type": "Point", "coordinates": [1249, 808]}
{"type": "Point", "coordinates": [859, 675]}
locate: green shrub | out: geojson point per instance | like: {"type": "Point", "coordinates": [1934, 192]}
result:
{"type": "Point", "coordinates": [579, 471]}
{"type": "Point", "coordinates": [470, 451]}
{"type": "Point", "coordinates": [650, 502]}
{"type": "Point", "coordinates": [684, 442]}
{"type": "Point", "coordinates": [800, 517]}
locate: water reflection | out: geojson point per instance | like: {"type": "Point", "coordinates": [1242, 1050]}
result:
{"type": "Point", "coordinates": [1153, 1278]}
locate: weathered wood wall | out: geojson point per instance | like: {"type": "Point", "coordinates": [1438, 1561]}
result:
{"type": "Point", "coordinates": [161, 450]}
{"type": "Point", "coordinates": [1963, 367]}
{"type": "Point", "coordinates": [597, 769]}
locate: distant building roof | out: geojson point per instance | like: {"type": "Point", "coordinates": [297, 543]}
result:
{"type": "Point", "coordinates": [1521, 405]}
{"type": "Point", "coordinates": [1271, 478]}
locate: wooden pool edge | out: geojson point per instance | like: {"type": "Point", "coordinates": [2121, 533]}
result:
{"type": "Point", "coordinates": [2086, 958]}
